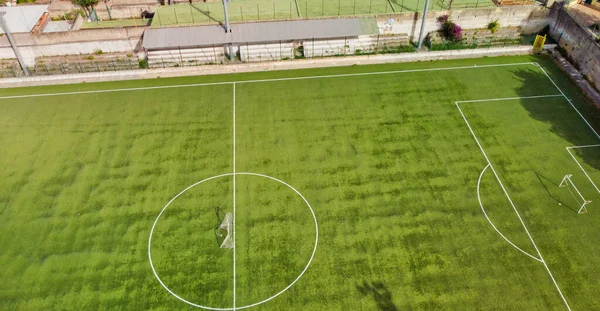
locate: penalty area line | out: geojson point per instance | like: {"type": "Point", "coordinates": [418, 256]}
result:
{"type": "Point", "coordinates": [490, 221]}
{"type": "Point", "coordinates": [513, 206]}
{"type": "Point", "coordinates": [568, 99]}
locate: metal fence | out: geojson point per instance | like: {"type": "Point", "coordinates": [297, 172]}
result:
{"type": "Point", "coordinates": [256, 10]}
{"type": "Point", "coordinates": [45, 69]}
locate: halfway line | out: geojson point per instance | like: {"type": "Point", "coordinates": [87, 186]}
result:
{"type": "Point", "coordinates": [234, 190]}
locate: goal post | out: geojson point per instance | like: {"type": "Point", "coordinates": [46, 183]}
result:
{"type": "Point", "coordinates": [568, 183]}
{"type": "Point", "coordinates": [226, 228]}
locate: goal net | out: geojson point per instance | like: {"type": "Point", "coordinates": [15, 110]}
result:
{"type": "Point", "coordinates": [581, 201]}
{"type": "Point", "coordinates": [225, 228]}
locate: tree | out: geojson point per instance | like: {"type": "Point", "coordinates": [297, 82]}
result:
{"type": "Point", "coordinates": [87, 5]}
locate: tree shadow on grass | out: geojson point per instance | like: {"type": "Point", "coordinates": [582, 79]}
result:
{"type": "Point", "coordinates": [380, 293]}
{"type": "Point", "coordinates": [570, 128]}
{"type": "Point", "coordinates": [207, 14]}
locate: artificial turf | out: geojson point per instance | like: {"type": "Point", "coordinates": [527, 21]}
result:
{"type": "Point", "coordinates": [386, 162]}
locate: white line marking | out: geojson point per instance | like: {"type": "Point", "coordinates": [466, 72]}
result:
{"type": "Point", "coordinates": [312, 256]}
{"type": "Point", "coordinates": [585, 146]}
{"type": "Point", "coordinates": [234, 191]}
{"type": "Point", "coordinates": [264, 80]}
{"type": "Point", "coordinates": [568, 100]}
{"type": "Point", "coordinates": [507, 98]}
{"type": "Point", "coordinates": [490, 221]}
{"type": "Point", "coordinates": [581, 167]}
{"type": "Point", "coordinates": [513, 206]}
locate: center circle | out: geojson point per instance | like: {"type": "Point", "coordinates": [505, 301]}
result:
{"type": "Point", "coordinates": [222, 176]}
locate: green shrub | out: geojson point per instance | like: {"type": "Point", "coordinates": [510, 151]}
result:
{"type": "Point", "coordinates": [98, 52]}
{"type": "Point", "coordinates": [494, 26]}
{"type": "Point", "coordinates": [143, 64]}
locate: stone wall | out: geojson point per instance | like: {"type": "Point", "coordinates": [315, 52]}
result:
{"type": "Point", "coordinates": [86, 41]}
{"type": "Point", "coordinates": [579, 44]}
{"type": "Point", "coordinates": [530, 18]}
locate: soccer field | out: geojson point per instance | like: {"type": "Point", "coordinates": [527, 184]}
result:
{"type": "Point", "coordinates": [421, 186]}
{"type": "Point", "coordinates": [255, 10]}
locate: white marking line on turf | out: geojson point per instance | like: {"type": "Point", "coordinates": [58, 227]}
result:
{"type": "Point", "coordinates": [506, 98]}
{"type": "Point", "coordinates": [581, 167]}
{"type": "Point", "coordinates": [568, 99]}
{"type": "Point", "coordinates": [234, 190]}
{"type": "Point", "coordinates": [490, 221]}
{"type": "Point", "coordinates": [312, 256]}
{"type": "Point", "coordinates": [513, 206]}
{"type": "Point", "coordinates": [265, 80]}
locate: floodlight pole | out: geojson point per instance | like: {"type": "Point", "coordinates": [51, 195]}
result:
{"type": "Point", "coordinates": [227, 29]}
{"type": "Point", "coordinates": [13, 44]}
{"type": "Point", "coordinates": [423, 25]}
{"type": "Point", "coordinates": [226, 16]}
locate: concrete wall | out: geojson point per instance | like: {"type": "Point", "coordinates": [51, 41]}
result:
{"type": "Point", "coordinates": [579, 44]}
{"type": "Point", "coordinates": [531, 19]}
{"type": "Point", "coordinates": [73, 43]}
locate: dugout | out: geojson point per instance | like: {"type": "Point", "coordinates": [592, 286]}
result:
{"type": "Point", "coordinates": [253, 42]}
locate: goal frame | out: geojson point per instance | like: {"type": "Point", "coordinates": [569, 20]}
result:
{"type": "Point", "coordinates": [226, 225]}
{"type": "Point", "coordinates": [565, 182]}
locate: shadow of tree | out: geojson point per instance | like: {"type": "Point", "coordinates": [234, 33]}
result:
{"type": "Point", "coordinates": [536, 83]}
{"type": "Point", "coordinates": [380, 293]}
{"type": "Point", "coordinates": [207, 14]}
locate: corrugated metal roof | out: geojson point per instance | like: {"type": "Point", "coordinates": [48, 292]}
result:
{"type": "Point", "coordinates": [22, 18]}
{"type": "Point", "coordinates": [164, 38]}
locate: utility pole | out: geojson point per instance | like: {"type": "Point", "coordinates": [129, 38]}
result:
{"type": "Point", "coordinates": [13, 44]}
{"type": "Point", "coordinates": [227, 29]}
{"type": "Point", "coordinates": [423, 25]}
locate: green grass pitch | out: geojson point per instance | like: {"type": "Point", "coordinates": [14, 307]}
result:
{"type": "Point", "coordinates": [254, 10]}
{"type": "Point", "coordinates": [408, 208]}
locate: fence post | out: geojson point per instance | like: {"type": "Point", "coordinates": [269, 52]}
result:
{"type": "Point", "coordinates": [290, 10]}
{"type": "Point", "coordinates": [418, 5]}
{"type": "Point", "coordinates": [370, 6]}
{"type": "Point", "coordinates": [175, 13]}
{"type": "Point", "coordinates": [274, 11]}
{"type": "Point", "coordinates": [258, 10]}
{"type": "Point", "coordinates": [339, 4]}
{"type": "Point", "coordinates": [477, 4]}
{"type": "Point", "coordinates": [386, 5]}
{"type": "Point", "coordinates": [354, 10]}
{"type": "Point", "coordinates": [306, 15]}
{"type": "Point", "coordinates": [192, 14]}
{"type": "Point", "coordinates": [377, 46]}
{"type": "Point", "coordinates": [242, 13]}
{"type": "Point", "coordinates": [322, 7]}
{"type": "Point", "coordinates": [345, 45]}
{"type": "Point", "coordinates": [402, 6]}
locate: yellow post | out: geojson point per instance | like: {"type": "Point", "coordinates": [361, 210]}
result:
{"type": "Point", "coordinates": [538, 44]}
